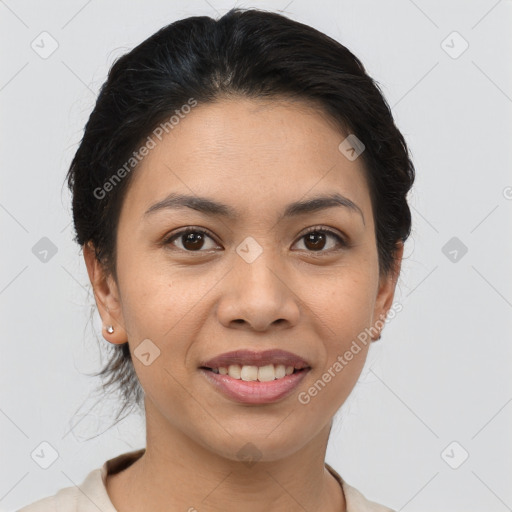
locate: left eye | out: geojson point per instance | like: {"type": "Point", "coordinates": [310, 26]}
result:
{"type": "Point", "coordinates": [315, 240]}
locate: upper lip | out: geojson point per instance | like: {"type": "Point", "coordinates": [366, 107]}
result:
{"type": "Point", "coordinates": [254, 358]}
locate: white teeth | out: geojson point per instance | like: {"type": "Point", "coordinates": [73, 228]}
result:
{"type": "Point", "coordinates": [280, 371]}
{"type": "Point", "coordinates": [251, 373]}
{"type": "Point", "coordinates": [266, 373]}
{"type": "Point", "coordinates": [234, 371]}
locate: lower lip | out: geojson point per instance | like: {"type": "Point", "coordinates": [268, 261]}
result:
{"type": "Point", "coordinates": [255, 392]}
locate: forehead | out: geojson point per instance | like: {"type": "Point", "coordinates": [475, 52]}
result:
{"type": "Point", "coordinates": [252, 153]}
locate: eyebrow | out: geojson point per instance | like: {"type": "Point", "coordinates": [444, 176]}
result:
{"type": "Point", "coordinates": [209, 206]}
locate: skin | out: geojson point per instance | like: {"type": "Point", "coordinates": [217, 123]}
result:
{"type": "Point", "coordinates": [256, 156]}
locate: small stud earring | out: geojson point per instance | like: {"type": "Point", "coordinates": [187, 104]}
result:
{"type": "Point", "coordinates": [110, 329]}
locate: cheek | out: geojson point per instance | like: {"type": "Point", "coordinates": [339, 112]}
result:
{"type": "Point", "coordinates": [166, 306]}
{"type": "Point", "coordinates": [344, 311]}
{"type": "Point", "coordinates": [344, 302]}
{"type": "Point", "coordinates": [154, 296]}
{"type": "Point", "coordinates": [343, 314]}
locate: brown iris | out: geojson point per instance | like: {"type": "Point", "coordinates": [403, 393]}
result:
{"type": "Point", "coordinates": [193, 241]}
{"type": "Point", "coordinates": [314, 241]}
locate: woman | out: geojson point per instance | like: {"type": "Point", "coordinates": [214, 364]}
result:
{"type": "Point", "coordinates": [240, 198]}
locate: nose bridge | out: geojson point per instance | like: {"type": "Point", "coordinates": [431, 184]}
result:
{"type": "Point", "coordinates": [257, 270]}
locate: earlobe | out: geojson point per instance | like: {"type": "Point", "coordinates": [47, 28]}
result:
{"type": "Point", "coordinates": [106, 297]}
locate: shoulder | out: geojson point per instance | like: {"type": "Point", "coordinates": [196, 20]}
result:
{"type": "Point", "coordinates": [91, 495]}
{"type": "Point", "coordinates": [84, 498]}
{"type": "Point", "coordinates": [65, 500]}
{"type": "Point", "coordinates": [355, 501]}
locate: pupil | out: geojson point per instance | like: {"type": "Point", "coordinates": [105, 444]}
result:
{"type": "Point", "coordinates": [316, 239]}
{"type": "Point", "coordinates": [193, 240]}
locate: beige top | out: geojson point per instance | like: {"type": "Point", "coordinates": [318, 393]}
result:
{"type": "Point", "coordinates": [92, 496]}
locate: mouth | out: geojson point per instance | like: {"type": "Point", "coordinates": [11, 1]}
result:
{"type": "Point", "coordinates": [255, 377]}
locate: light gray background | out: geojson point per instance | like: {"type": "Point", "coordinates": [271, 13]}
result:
{"type": "Point", "coordinates": [441, 372]}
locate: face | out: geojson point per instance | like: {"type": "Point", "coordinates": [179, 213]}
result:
{"type": "Point", "coordinates": [252, 275]}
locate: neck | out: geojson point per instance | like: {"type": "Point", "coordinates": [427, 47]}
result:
{"type": "Point", "coordinates": [177, 473]}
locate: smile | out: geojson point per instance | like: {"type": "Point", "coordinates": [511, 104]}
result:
{"type": "Point", "coordinates": [250, 377]}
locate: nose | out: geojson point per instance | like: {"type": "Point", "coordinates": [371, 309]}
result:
{"type": "Point", "coordinates": [258, 296]}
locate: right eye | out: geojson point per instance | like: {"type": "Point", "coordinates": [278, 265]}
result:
{"type": "Point", "coordinates": [191, 239]}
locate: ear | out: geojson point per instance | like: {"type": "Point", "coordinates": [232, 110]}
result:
{"type": "Point", "coordinates": [106, 295]}
{"type": "Point", "coordinates": [386, 292]}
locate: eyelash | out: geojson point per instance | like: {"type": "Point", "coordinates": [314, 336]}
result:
{"type": "Point", "coordinates": [315, 229]}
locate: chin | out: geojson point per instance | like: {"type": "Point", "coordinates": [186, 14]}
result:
{"type": "Point", "coordinates": [251, 446]}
